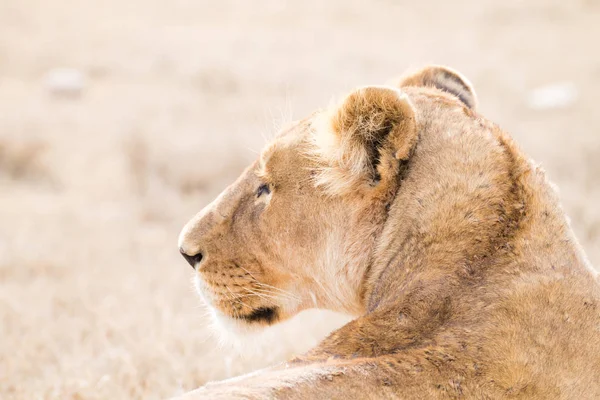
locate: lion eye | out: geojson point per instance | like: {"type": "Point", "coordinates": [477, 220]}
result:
{"type": "Point", "coordinates": [263, 189]}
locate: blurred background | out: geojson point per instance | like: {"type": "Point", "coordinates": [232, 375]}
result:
{"type": "Point", "coordinates": [119, 120]}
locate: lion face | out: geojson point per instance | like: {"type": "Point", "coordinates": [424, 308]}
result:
{"type": "Point", "coordinates": [253, 247]}
{"type": "Point", "coordinates": [299, 227]}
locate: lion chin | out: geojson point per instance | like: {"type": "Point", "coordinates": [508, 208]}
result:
{"type": "Point", "coordinates": [234, 326]}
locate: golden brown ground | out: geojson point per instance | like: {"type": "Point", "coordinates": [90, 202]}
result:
{"type": "Point", "coordinates": [95, 301]}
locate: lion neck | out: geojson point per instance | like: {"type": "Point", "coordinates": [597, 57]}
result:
{"type": "Point", "coordinates": [469, 206]}
{"type": "Point", "coordinates": [460, 209]}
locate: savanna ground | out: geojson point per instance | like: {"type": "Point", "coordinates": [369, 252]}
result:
{"type": "Point", "coordinates": [95, 301]}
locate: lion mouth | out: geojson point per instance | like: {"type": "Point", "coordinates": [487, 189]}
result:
{"type": "Point", "coordinates": [258, 314]}
{"type": "Point", "coordinates": [262, 314]}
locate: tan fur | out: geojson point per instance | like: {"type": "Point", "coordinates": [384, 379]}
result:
{"type": "Point", "coordinates": [411, 211]}
{"type": "Point", "coordinates": [445, 79]}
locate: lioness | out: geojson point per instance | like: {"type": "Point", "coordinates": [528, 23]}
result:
{"type": "Point", "coordinates": [406, 208]}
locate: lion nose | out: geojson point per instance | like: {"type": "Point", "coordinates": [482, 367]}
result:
{"type": "Point", "coordinates": [191, 259]}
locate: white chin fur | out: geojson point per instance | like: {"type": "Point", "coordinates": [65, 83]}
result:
{"type": "Point", "coordinates": [270, 343]}
{"type": "Point", "coordinates": [229, 331]}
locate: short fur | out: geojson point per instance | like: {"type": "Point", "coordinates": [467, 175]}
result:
{"type": "Point", "coordinates": [406, 208]}
{"type": "Point", "coordinates": [445, 79]}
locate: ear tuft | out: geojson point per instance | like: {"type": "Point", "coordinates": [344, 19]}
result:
{"type": "Point", "coordinates": [443, 78]}
{"type": "Point", "coordinates": [363, 138]}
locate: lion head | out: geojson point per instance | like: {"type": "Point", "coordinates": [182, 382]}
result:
{"type": "Point", "coordinates": [300, 226]}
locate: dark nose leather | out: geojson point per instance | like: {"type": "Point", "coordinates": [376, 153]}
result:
{"type": "Point", "coordinates": [192, 260]}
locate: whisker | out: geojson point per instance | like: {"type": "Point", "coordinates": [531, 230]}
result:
{"type": "Point", "coordinates": [245, 270]}
{"type": "Point", "coordinates": [271, 301]}
{"type": "Point", "coordinates": [287, 294]}
{"type": "Point", "coordinates": [276, 288]}
{"type": "Point", "coordinates": [263, 296]}
{"type": "Point", "coordinates": [270, 295]}
{"type": "Point", "coordinates": [237, 298]}
{"type": "Point", "coordinates": [256, 281]}
{"type": "Point", "coordinates": [281, 296]}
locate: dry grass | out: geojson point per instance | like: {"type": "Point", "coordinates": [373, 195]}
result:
{"type": "Point", "coordinates": [95, 301]}
{"type": "Point", "coordinates": [22, 161]}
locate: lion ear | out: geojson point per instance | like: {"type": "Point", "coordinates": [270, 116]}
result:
{"type": "Point", "coordinates": [445, 79]}
{"type": "Point", "coordinates": [366, 136]}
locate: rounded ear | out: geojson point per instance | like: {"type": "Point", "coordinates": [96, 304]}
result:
{"type": "Point", "coordinates": [365, 137]}
{"type": "Point", "coordinates": [443, 78]}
